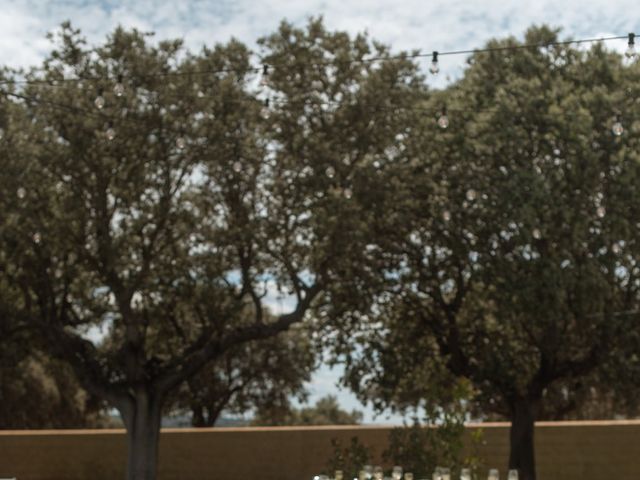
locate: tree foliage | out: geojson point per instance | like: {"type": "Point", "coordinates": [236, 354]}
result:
{"type": "Point", "coordinates": [263, 375]}
{"type": "Point", "coordinates": [165, 217]}
{"type": "Point", "coordinates": [326, 411]}
{"type": "Point", "coordinates": [516, 242]}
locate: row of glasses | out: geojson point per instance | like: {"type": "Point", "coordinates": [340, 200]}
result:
{"type": "Point", "coordinates": [369, 472]}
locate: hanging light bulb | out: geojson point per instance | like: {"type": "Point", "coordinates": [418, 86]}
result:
{"type": "Point", "coordinates": [118, 88]}
{"type": "Point", "coordinates": [99, 101]}
{"type": "Point", "coordinates": [264, 81]}
{"type": "Point", "coordinates": [617, 127]}
{"type": "Point", "coordinates": [471, 194]}
{"type": "Point", "coordinates": [434, 68]}
{"type": "Point", "coordinates": [37, 238]}
{"type": "Point", "coordinates": [330, 172]}
{"type": "Point", "coordinates": [601, 211]}
{"type": "Point", "coordinates": [1, 133]}
{"type": "Point", "coordinates": [443, 119]}
{"type": "Point", "coordinates": [237, 166]}
{"type": "Point", "coordinates": [348, 193]}
{"type": "Point", "coordinates": [265, 111]}
{"type": "Point", "coordinates": [536, 234]}
{"type": "Point", "coordinates": [446, 215]}
{"type": "Point", "coordinates": [110, 132]}
{"type": "Point", "coordinates": [631, 49]}
{"type": "Point", "coordinates": [181, 142]}
{"type": "Point", "coordinates": [21, 192]}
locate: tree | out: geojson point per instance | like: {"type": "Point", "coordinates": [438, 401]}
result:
{"type": "Point", "coordinates": [516, 241]}
{"type": "Point", "coordinates": [326, 411]}
{"type": "Point", "coordinates": [165, 210]}
{"type": "Point", "coordinates": [261, 375]}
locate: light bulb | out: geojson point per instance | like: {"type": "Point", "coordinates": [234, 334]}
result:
{"type": "Point", "coordinates": [631, 49]}
{"type": "Point", "coordinates": [99, 101]}
{"type": "Point", "coordinates": [471, 194]}
{"type": "Point", "coordinates": [21, 192]}
{"type": "Point", "coordinates": [348, 193]}
{"type": "Point", "coordinates": [110, 132]}
{"type": "Point", "coordinates": [434, 68]}
{"type": "Point", "coordinates": [118, 88]}
{"type": "Point", "coordinates": [601, 211]}
{"type": "Point", "coordinates": [617, 127]}
{"type": "Point", "coordinates": [264, 80]}
{"type": "Point", "coordinates": [181, 143]}
{"type": "Point", "coordinates": [265, 111]}
{"type": "Point", "coordinates": [37, 238]}
{"type": "Point", "coordinates": [615, 248]}
{"type": "Point", "coordinates": [443, 121]}
{"type": "Point", "coordinates": [536, 234]}
{"type": "Point", "coordinates": [237, 166]}
{"type": "Point", "coordinates": [330, 172]}
{"type": "Point", "coordinates": [1, 133]}
{"type": "Point", "coordinates": [446, 215]}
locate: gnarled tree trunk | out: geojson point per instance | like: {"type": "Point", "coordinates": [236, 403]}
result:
{"type": "Point", "coordinates": [142, 415]}
{"type": "Point", "coordinates": [521, 437]}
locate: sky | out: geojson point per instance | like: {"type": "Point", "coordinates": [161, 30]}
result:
{"type": "Point", "coordinates": [427, 25]}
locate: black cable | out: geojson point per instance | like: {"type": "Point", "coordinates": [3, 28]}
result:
{"type": "Point", "coordinates": [403, 56]}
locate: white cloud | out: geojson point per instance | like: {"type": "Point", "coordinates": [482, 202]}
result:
{"type": "Point", "coordinates": [405, 24]}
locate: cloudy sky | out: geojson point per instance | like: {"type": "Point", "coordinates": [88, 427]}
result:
{"type": "Point", "coordinates": [405, 24]}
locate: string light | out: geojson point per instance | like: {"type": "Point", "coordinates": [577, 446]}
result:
{"type": "Point", "coordinates": [446, 215]}
{"type": "Point", "coordinates": [99, 101]}
{"type": "Point", "coordinates": [181, 142]}
{"type": "Point", "coordinates": [601, 211]}
{"type": "Point", "coordinates": [471, 194]}
{"type": "Point", "coordinates": [631, 48]}
{"type": "Point", "coordinates": [237, 166]}
{"type": "Point", "coordinates": [443, 119]}
{"type": "Point", "coordinates": [21, 193]}
{"type": "Point", "coordinates": [330, 172]}
{"type": "Point", "coordinates": [118, 88]}
{"type": "Point", "coordinates": [537, 234]}
{"type": "Point", "coordinates": [617, 127]}
{"type": "Point", "coordinates": [264, 80]}
{"type": "Point", "coordinates": [1, 133]}
{"type": "Point", "coordinates": [110, 132]}
{"type": "Point", "coordinates": [265, 111]}
{"type": "Point", "coordinates": [434, 68]}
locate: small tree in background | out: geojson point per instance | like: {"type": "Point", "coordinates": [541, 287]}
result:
{"type": "Point", "coordinates": [326, 411]}
{"type": "Point", "coordinates": [260, 375]}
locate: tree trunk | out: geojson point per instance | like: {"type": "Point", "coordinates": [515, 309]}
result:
{"type": "Point", "coordinates": [522, 454]}
{"type": "Point", "coordinates": [142, 415]}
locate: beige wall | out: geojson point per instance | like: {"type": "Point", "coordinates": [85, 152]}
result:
{"type": "Point", "coordinates": [565, 451]}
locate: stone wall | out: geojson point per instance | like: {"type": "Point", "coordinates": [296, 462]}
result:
{"type": "Point", "coordinates": [565, 451]}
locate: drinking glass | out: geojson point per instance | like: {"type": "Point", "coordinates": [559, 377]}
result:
{"type": "Point", "coordinates": [408, 476]}
{"type": "Point", "coordinates": [339, 475]}
{"type": "Point", "coordinates": [362, 475]}
{"type": "Point", "coordinates": [465, 474]}
{"type": "Point", "coordinates": [494, 474]}
{"type": "Point", "coordinates": [368, 471]}
{"type": "Point", "coordinates": [513, 474]}
{"type": "Point", "coordinates": [378, 474]}
{"type": "Point", "coordinates": [396, 473]}
{"type": "Point", "coordinates": [445, 474]}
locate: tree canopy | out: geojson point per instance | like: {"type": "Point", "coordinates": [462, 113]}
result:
{"type": "Point", "coordinates": [515, 248]}
{"type": "Point", "coordinates": [150, 198]}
